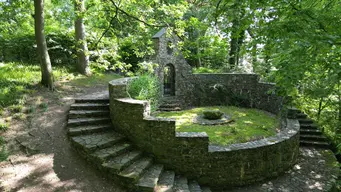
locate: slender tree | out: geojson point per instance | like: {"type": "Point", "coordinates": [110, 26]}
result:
{"type": "Point", "coordinates": [44, 58]}
{"type": "Point", "coordinates": [82, 48]}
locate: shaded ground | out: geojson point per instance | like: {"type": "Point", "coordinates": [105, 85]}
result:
{"type": "Point", "coordinates": [41, 156]}
{"type": "Point", "coordinates": [315, 171]}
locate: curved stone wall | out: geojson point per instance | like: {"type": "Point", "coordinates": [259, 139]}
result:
{"type": "Point", "coordinates": [192, 155]}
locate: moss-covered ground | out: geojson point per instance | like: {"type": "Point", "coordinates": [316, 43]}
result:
{"type": "Point", "coordinates": [248, 124]}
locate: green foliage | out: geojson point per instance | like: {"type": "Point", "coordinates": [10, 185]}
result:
{"type": "Point", "coordinates": [145, 87]}
{"type": "Point", "coordinates": [247, 124]}
{"type": "Point", "coordinates": [22, 48]}
{"type": "Point", "coordinates": [20, 116]}
{"type": "Point", "coordinates": [3, 153]}
{"type": "Point", "coordinates": [206, 70]}
{"type": "Point", "coordinates": [31, 109]}
{"type": "Point", "coordinates": [18, 79]}
{"type": "Point", "coordinates": [4, 126]}
{"type": "Point", "coordinates": [44, 106]}
{"type": "Point", "coordinates": [16, 108]}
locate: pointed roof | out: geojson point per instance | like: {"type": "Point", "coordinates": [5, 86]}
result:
{"type": "Point", "coordinates": [160, 33]}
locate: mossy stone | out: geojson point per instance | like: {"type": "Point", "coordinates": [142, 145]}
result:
{"type": "Point", "coordinates": [213, 114]}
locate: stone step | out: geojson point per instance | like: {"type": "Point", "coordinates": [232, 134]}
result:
{"type": "Point", "coordinates": [294, 109]}
{"type": "Point", "coordinates": [170, 109]}
{"type": "Point", "coordinates": [88, 121]}
{"type": "Point", "coordinates": [310, 132]}
{"type": "Point", "coordinates": [308, 126]}
{"type": "Point", "coordinates": [91, 100]}
{"type": "Point", "coordinates": [89, 106]}
{"type": "Point", "coordinates": [88, 113]}
{"type": "Point", "coordinates": [181, 184]}
{"type": "Point", "coordinates": [148, 182]}
{"type": "Point", "coordinates": [206, 189]}
{"type": "Point", "coordinates": [134, 171]}
{"type": "Point", "coordinates": [104, 154]}
{"type": "Point", "coordinates": [116, 164]}
{"type": "Point", "coordinates": [169, 105]}
{"type": "Point", "coordinates": [313, 138]}
{"type": "Point", "coordinates": [194, 186]}
{"type": "Point", "coordinates": [87, 129]}
{"type": "Point", "coordinates": [292, 112]}
{"type": "Point", "coordinates": [301, 115]}
{"type": "Point", "coordinates": [166, 182]}
{"type": "Point", "coordinates": [305, 121]}
{"type": "Point", "coordinates": [169, 99]}
{"type": "Point", "coordinates": [90, 143]}
{"type": "Point", "coordinates": [316, 144]}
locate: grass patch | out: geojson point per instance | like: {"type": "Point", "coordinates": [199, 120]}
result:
{"type": "Point", "coordinates": [248, 125]}
{"type": "Point", "coordinates": [17, 80]}
{"type": "Point", "coordinates": [3, 152]}
{"type": "Point", "coordinates": [95, 79]}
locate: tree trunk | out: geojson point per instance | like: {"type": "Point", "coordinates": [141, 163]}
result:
{"type": "Point", "coordinates": [82, 48]}
{"type": "Point", "coordinates": [237, 38]}
{"type": "Point", "coordinates": [44, 58]}
{"type": "Point", "coordinates": [338, 128]}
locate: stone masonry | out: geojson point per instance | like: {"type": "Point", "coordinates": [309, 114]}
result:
{"type": "Point", "coordinates": [191, 153]}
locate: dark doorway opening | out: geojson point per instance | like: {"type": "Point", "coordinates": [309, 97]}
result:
{"type": "Point", "coordinates": [169, 80]}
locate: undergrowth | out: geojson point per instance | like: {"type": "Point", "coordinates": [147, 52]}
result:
{"type": "Point", "coordinates": [146, 87]}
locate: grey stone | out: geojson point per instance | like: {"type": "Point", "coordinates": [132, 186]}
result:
{"type": "Point", "coordinates": [104, 154]}
{"type": "Point", "coordinates": [149, 180]}
{"type": "Point", "coordinates": [134, 171]}
{"type": "Point", "coordinates": [87, 121]}
{"type": "Point", "coordinates": [118, 163]}
{"type": "Point", "coordinates": [87, 129]}
{"type": "Point", "coordinates": [181, 184]}
{"type": "Point", "coordinates": [166, 182]}
{"type": "Point", "coordinates": [96, 141]}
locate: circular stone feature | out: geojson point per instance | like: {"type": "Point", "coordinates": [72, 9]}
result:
{"type": "Point", "coordinates": [201, 120]}
{"type": "Point", "coordinates": [212, 114]}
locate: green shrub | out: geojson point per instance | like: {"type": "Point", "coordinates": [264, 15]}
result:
{"type": "Point", "coordinates": [3, 153]}
{"type": "Point", "coordinates": [145, 87]}
{"type": "Point", "coordinates": [31, 109]}
{"type": "Point", "coordinates": [20, 116]}
{"type": "Point", "coordinates": [3, 126]}
{"type": "Point", "coordinates": [43, 106]}
{"type": "Point", "coordinates": [16, 108]}
{"type": "Point", "coordinates": [212, 114]}
{"type": "Point", "coordinates": [206, 70]}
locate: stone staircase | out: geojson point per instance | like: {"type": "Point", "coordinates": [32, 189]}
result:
{"type": "Point", "coordinates": [310, 134]}
{"type": "Point", "coordinates": [169, 103]}
{"type": "Point", "coordinates": [92, 135]}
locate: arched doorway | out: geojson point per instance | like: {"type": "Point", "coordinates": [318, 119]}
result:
{"type": "Point", "coordinates": [169, 80]}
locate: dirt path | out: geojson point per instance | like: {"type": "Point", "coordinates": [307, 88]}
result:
{"type": "Point", "coordinates": [41, 158]}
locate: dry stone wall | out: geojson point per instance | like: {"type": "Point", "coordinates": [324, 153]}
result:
{"type": "Point", "coordinates": [231, 89]}
{"type": "Point", "coordinates": [190, 153]}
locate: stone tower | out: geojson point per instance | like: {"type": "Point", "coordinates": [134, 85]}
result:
{"type": "Point", "coordinates": [173, 70]}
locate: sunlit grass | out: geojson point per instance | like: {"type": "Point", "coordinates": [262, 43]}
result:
{"type": "Point", "coordinates": [248, 124]}
{"type": "Point", "coordinates": [95, 79]}
{"type": "Point", "coordinates": [17, 80]}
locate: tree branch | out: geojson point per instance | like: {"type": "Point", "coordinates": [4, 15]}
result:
{"type": "Point", "coordinates": [311, 17]}
{"type": "Point", "coordinates": [134, 17]}
{"type": "Point", "coordinates": [107, 29]}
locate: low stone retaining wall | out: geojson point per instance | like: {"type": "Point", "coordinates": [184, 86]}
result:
{"type": "Point", "coordinates": [192, 155]}
{"type": "Point", "coordinates": [229, 89]}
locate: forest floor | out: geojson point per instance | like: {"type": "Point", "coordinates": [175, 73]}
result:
{"type": "Point", "coordinates": [41, 158]}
